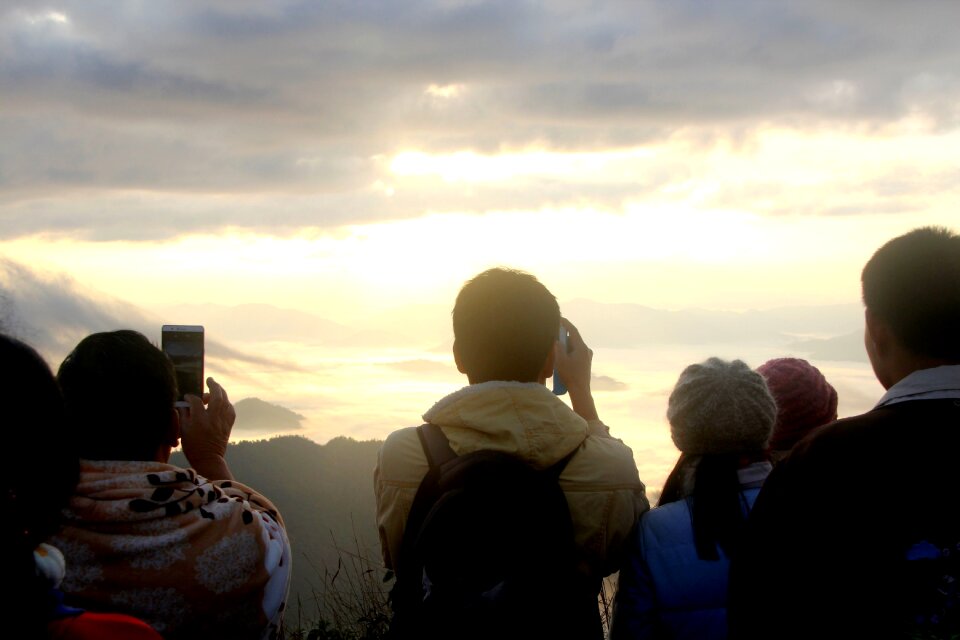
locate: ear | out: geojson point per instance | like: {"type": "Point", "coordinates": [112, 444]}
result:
{"type": "Point", "coordinates": [456, 359]}
{"type": "Point", "coordinates": [173, 430]}
{"type": "Point", "coordinates": [877, 332]}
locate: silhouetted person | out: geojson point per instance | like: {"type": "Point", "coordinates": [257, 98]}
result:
{"type": "Point", "coordinates": [805, 401]}
{"type": "Point", "coordinates": [857, 533]}
{"type": "Point", "coordinates": [505, 326]}
{"type": "Point", "coordinates": [674, 583]}
{"type": "Point", "coordinates": [191, 551]}
{"type": "Point", "coordinates": [40, 472]}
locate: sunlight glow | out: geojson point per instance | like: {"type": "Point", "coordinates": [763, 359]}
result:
{"type": "Point", "coordinates": [55, 17]}
{"type": "Point", "coordinates": [444, 91]}
{"type": "Point", "coordinates": [732, 224]}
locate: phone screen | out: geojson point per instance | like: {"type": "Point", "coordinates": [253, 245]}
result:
{"type": "Point", "coordinates": [183, 344]}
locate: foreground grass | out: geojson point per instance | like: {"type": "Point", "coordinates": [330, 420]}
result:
{"type": "Point", "coordinates": [352, 601]}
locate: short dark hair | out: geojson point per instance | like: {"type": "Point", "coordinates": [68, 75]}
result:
{"type": "Point", "coordinates": [504, 322]}
{"type": "Point", "coordinates": [913, 284]}
{"type": "Point", "coordinates": [119, 390]}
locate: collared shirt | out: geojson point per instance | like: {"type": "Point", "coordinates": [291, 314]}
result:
{"type": "Point", "coordinates": [926, 384]}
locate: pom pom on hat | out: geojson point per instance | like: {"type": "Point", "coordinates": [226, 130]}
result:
{"type": "Point", "coordinates": [805, 400]}
{"type": "Point", "coordinates": [720, 407]}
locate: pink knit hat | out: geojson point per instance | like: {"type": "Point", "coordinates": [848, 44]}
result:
{"type": "Point", "coordinates": [805, 400]}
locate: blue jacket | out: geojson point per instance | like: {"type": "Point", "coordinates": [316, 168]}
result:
{"type": "Point", "coordinates": [665, 589]}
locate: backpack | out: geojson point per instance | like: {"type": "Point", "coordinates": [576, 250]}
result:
{"type": "Point", "coordinates": [488, 552]}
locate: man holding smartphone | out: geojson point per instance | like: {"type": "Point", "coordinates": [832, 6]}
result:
{"type": "Point", "coordinates": [505, 340]}
{"type": "Point", "coordinates": [191, 551]}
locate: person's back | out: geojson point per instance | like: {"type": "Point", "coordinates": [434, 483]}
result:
{"type": "Point", "coordinates": [674, 583]}
{"type": "Point", "coordinates": [195, 557]}
{"type": "Point", "coordinates": [856, 533]}
{"type": "Point", "coordinates": [505, 327]}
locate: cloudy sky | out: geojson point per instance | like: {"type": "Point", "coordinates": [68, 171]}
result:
{"type": "Point", "coordinates": [364, 135]}
{"type": "Point", "coordinates": [349, 158]}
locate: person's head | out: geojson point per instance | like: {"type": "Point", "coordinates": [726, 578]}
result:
{"type": "Point", "coordinates": [721, 415]}
{"type": "Point", "coordinates": [119, 392]}
{"type": "Point", "coordinates": [505, 324]}
{"type": "Point", "coordinates": [41, 467]}
{"type": "Point", "coordinates": [720, 407]}
{"type": "Point", "coordinates": [805, 400]}
{"type": "Point", "coordinates": [911, 290]}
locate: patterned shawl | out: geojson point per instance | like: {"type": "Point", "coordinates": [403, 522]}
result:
{"type": "Point", "coordinates": [193, 557]}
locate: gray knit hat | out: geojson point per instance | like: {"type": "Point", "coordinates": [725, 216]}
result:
{"type": "Point", "coordinates": [721, 407]}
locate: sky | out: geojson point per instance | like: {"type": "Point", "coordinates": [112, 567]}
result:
{"type": "Point", "coordinates": [338, 166]}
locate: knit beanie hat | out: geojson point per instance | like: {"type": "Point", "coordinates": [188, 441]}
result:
{"type": "Point", "coordinates": [805, 400]}
{"type": "Point", "coordinates": [720, 407]}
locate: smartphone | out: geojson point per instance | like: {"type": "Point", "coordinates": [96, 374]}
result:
{"type": "Point", "coordinates": [559, 388]}
{"type": "Point", "coordinates": [183, 344]}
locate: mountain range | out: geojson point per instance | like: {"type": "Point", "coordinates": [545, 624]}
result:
{"type": "Point", "coordinates": [325, 496]}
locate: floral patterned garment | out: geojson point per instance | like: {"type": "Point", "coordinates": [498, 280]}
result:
{"type": "Point", "coordinates": [193, 557]}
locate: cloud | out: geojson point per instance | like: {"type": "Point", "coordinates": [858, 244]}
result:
{"type": "Point", "coordinates": [258, 417]}
{"type": "Point", "coordinates": [430, 368]}
{"type": "Point", "coordinates": [53, 313]}
{"type": "Point", "coordinates": [606, 383]}
{"type": "Point", "coordinates": [136, 123]}
{"type": "Point", "coordinates": [624, 326]}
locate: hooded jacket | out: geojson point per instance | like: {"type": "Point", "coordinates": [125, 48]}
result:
{"type": "Point", "coordinates": [601, 484]}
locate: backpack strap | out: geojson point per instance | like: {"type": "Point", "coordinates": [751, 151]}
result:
{"type": "Point", "coordinates": [406, 593]}
{"type": "Point", "coordinates": [436, 446]}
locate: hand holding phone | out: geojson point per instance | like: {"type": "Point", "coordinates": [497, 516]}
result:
{"type": "Point", "coordinates": [205, 431]}
{"type": "Point", "coordinates": [576, 361]}
{"type": "Point", "coordinates": [559, 387]}
{"type": "Point", "coordinates": [183, 344]}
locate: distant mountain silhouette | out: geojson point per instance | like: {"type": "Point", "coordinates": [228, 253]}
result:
{"type": "Point", "coordinates": [325, 494]}
{"type": "Point", "coordinates": [258, 416]}
{"type": "Point", "coordinates": [632, 325]}
{"type": "Point", "coordinates": [846, 347]}
{"type": "Point", "coordinates": [53, 312]}
{"type": "Point", "coordinates": [257, 322]}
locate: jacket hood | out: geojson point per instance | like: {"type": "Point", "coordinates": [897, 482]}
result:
{"type": "Point", "coordinates": [522, 418]}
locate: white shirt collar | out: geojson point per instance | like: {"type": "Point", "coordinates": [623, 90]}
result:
{"type": "Point", "coordinates": [925, 384]}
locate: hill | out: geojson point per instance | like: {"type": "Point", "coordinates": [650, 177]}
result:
{"type": "Point", "coordinates": [325, 494]}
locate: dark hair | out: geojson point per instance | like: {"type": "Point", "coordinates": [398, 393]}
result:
{"type": "Point", "coordinates": [717, 507]}
{"type": "Point", "coordinates": [119, 391]}
{"type": "Point", "coordinates": [913, 284]}
{"type": "Point", "coordinates": [504, 322]}
{"type": "Point", "coordinates": [39, 474]}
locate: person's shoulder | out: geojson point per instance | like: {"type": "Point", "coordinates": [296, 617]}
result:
{"type": "Point", "coordinates": [604, 460]}
{"type": "Point", "coordinates": [664, 521]}
{"type": "Point", "coordinates": [868, 429]}
{"type": "Point", "coordinates": [400, 438]}
{"type": "Point", "coordinates": [834, 454]}
{"type": "Point", "coordinates": [401, 456]}
{"type": "Point", "coordinates": [843, 434]}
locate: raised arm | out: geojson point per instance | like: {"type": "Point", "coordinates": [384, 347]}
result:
{"type": "Point", "coordinates": [574, 366]}
{"type": "Point", "coordinates": [205, 430]}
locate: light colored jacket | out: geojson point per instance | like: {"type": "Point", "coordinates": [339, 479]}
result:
{"type": "Point", "coordinates": [603, 489]}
